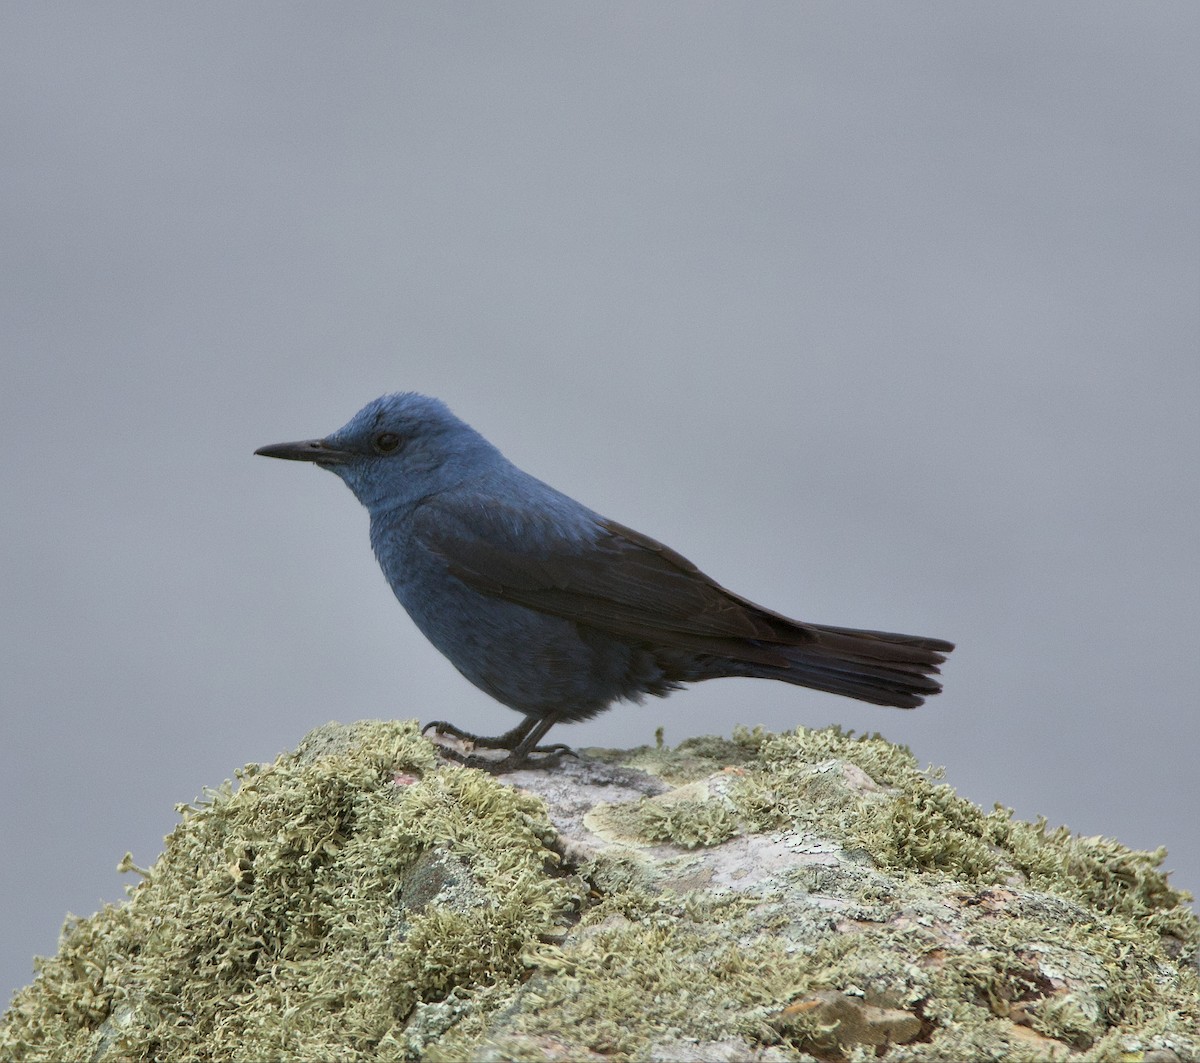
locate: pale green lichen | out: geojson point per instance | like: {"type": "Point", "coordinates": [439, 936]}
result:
{"type": "Point", "coordinates": [275, 924]}
{"type": "Point", "coordinates": [690, 822]}
{"type": "Point", "coordinates": [355, 900]}
{"type": "Point", "coordinates": [687, 823]}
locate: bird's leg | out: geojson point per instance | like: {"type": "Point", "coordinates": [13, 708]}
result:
{"type": "Point", "coordinates": [521, 742]}
{"type": "Point", "coordinates": [529, 744]}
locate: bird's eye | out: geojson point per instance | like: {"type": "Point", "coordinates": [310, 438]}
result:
{"type": "Point", "coordinates": [385, 442]}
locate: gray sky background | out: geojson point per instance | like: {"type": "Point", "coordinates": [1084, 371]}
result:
{"type": "Point", "coordinates": [885, 315]}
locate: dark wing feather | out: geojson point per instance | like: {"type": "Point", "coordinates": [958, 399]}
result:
{"type": "Point", "coordinates": [621, 581]}
{"type": "Point", "coordinates": [616, 580]}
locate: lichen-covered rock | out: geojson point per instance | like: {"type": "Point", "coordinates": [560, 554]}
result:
{"type": "Point", "coordinates": [771, 897]}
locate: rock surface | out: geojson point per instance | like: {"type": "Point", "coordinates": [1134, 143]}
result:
{"type": "Point", "coordinates": [771, 897]}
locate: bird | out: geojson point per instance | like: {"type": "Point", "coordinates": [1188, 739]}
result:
{"type": "Point", "coordinates": [558, 612]}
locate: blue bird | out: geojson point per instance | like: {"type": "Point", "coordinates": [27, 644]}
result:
{"type": "Point", "coordinates": [556, 611]}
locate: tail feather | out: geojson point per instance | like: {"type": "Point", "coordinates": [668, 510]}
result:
{"type": "Point", "coordinates": [879, 667]}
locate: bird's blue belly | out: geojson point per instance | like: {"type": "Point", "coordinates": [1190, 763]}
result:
{"type": "Point", "coordinates": [533, 662]}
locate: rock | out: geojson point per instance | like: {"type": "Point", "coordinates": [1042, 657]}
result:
{"type": "Point", "coordinates": [770, 897]}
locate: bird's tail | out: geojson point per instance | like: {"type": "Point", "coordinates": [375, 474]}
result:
{"type": "Point", "coordinates": [876, 666]}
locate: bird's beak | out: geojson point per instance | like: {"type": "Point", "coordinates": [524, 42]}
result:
{"type": "Point", "coordinates": [314, 450]}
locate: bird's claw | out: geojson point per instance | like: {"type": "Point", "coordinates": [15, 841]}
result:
{"type": "Point", "coordinates": [548, 757]}
{"type": "Point", "coordinates": [559, 749]}
{"type": "Point", "coordinates": [443, 727]}
{"type": "Point", "coordinates": [509, 740]}
{"type": "Point", "coordinates": [514, 743]}
{"type": "Point", "coordinates": [518, 744]}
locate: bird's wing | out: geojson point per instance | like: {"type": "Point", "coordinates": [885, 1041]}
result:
{"type": "Point", "coordinates": [614, 579]}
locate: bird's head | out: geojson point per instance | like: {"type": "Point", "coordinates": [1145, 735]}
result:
{"type": "Point", "coordinates": [396, 450]}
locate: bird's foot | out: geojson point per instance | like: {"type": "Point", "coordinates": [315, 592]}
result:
{"type": "Point", "coordinates": [538, 757]}
{"type": "Point", "coordinates": [519, 744]}
{"type": "Point", "coordinates": [508, 740]}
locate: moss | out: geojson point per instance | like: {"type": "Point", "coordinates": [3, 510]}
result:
{"type": "Point", "coordinates": [276, 922]}
{"type": "Point", "coordinates": [688, 823]}
{"type": "Point", "coordinates": [692, 759]}
{"type": "Point", "coordinates": [930, 828]}
{"type": "Point", "coordinates": [629, 975]}
{"type": "Point", "coordinates": [691, 817]}
{"type": "Point", "coordinates": [627, 979]}
{"type": "Point", "coordinates": [810, 894]}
